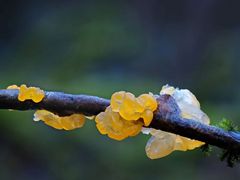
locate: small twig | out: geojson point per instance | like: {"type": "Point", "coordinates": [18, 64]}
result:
{"type": "Point", "coordinates": [166, 117]}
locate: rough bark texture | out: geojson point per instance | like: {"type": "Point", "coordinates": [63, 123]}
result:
{"type": "Point", "coordinates": [166, 117]}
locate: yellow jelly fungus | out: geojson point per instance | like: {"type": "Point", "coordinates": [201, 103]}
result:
{"type": "Point", "coordinates": [150, 105]}
{"type": "Point", "coordinates": [30, 93]}
{"type": "Point", "coordinates": [13, 87]}
{"type": "Point", "coordinates": [112, 124]}
{"type": "Point", "coordinates": [116, 100]}
{"type": "Point", "coordinates": [163, 143]}
{"type": "Point", "coordinates": [188, 144]}
{"type": "Point", "coordinates": [132, 108]}
{"type": "Point", "coordinates": [148, 101]}
{"type": "Point", "coordinates": [147, 116]}
{"type": "Point", "coordinates": [160, 145]}
{"type": "Point", "coordinates": [67, 122]}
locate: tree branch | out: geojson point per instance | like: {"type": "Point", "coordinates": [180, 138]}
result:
{"type": "Point", "coordinates": [166, 117]}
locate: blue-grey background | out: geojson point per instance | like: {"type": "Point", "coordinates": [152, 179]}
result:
{"type": "Point", "coordinates": [99, 47]}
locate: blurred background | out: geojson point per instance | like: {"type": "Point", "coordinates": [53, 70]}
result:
{"type": "Point", "coordinates": [99, 47]}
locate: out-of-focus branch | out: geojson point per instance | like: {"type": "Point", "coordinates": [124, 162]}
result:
{"type": "Point", "coordinates": [166, 117]}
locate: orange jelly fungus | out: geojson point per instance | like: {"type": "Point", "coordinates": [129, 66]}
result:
{"type": "Point", "coordinates": [126, 115]}
{"type": "Point", "coordinates": [29, 93]}
{"type": "Point", "coordinates": [112, 124]}
{"type": "Point", "coordinates": [67, 122]}
{"type": "Point", "coordinates": [132, 108]}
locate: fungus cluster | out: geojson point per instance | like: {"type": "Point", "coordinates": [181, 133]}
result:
{"type": "Point", "coordinates": [28, 93]}
{"type": "Point", "coordinates": [127, 116]}
{"type": "Point", "coordinates": [163, 143]}
{"type": "Point", "coordinates": [36, 95]}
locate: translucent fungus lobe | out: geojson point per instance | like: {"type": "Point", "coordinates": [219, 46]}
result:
{"type": "Point", "coordinates": [163, 143]}
{"type": "Point", "coordinates": [67, 122]}
{"type": "Point", "coordinates": [160, 145]}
